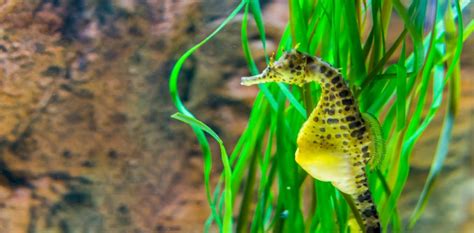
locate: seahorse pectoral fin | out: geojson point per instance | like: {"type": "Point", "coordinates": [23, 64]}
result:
{"type": "Point", "coordinates": [378, 142]}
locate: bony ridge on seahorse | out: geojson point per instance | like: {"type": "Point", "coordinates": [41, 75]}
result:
{"type": "Point", "coordinates": [337, 141]}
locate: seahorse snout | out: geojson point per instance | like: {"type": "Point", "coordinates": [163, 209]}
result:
{"type": "Point", "coordinates": [252, 80]}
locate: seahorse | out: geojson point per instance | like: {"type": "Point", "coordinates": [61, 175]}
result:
{"type": "Point", "coordinates": [337, 141]}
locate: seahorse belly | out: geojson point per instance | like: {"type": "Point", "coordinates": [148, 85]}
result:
{"type": "Point", "coordinates": [328, 166]}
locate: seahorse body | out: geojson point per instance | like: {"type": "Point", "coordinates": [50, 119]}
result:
{"type": "Point", "coordinates": [334, 144]}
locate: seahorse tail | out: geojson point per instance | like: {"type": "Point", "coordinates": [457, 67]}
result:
{"type": "Point", "coordinates": [364, 203]}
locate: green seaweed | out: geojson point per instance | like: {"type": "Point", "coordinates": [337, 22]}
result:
{"type": "Point", "coordinates": [262, 162]}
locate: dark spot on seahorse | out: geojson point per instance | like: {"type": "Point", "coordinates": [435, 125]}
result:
{"type": "Point", "coordinates": [350, 118]}
{"type": "Point", "coordinates": [332, 97]}
{"type": "Point", "coordinates": [373, 229]}
{"type": "Point", "coordinates": [343, 127]}
{"type": "Point", "coordinates": [357, 133]}
{"type": "Point", "coordinates": [309, 59]}
{"type": "Point", "coordinates": [330, 111]}
{"type": "Point", "coordinates": [333, 121]}
{"type": "Point", "coordinates": [366, 155]}
{"type": "Point", "coordinates": [338, 135]}
{"type": "Point", "coordinates": [329, 136]}
{"type": "Point", "coordinates": [345, 143]}
{"type": "Point", "coordinates": [365, 149]}
{"type": "Point", "coordinates": [362, 180]}
{"type": "Point", "coordinates": [347, 109]}
{"type": "Point", "coordinates": [325, 98]}
{"type": "Point", "coordinates": [368, 212]}
{"type": "Point", "coordinates": [298, 73]}
{"type": "Point", "coordinates": [327, 85]}
{"type": "Point", "coordinates": [336, 79]}
{"type": "Point", "coordinates": [315, 119]}
{"type": "Point", "coordinates": [329, 73]}
{"type": "Point", "coordinates": [357, 164]}
{"type": "Point", "coordinates": [364, 197]}
{"type": "Point", "coordinates": [347, 101]}
{"type": "Point", "coordinates": [322, 129]}
{"type": "Point", "coordinates": [314, 142]}
{"type": "Point", "coordinates": [354, 133]}
{"type": "Point", "coordinates": [355, 124]}
{"type": "Point", "coordinates": [322, 69]}
{"type": "Point", "coordinates": [344, 93]}
{"type": "Point", "coordinates": [333, 89]}
{"type": "Point", "coordinates": [339, 85]}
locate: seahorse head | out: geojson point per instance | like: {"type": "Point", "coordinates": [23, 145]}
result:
{"type": "Point", "coordinates": [291, 68]}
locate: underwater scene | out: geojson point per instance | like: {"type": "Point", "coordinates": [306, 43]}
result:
{"type": "Point", "coordinates": [187, 116]}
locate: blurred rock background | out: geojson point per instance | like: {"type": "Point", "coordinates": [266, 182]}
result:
{"type": "Point", "coordinates": [86, 141]}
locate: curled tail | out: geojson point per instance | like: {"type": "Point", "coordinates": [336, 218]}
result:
{"type": "Point", "coordinates": [365, 205]}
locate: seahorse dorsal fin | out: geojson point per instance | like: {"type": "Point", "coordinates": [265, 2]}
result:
{"type": "Point", "coordinates": [378, 142]}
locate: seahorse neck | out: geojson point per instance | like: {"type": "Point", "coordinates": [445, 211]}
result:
{"type": "Point", "coordinates": [336, 97]}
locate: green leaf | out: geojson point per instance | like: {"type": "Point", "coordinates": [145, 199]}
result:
{"type": "Point", "coordinates": [448, 123]}
{"type": "Point", "coordinates": [401, 90]}
{"type": "Point", "coordinates": [357, 58]}
{"type": "Point", "coordinates": [227, 225]}
{"type": "Point", "coordinates": [298, 25]}
{"type": "Point", "coordinates": [173, 88]}
{"type": "Point", "coordinates": [275, 197]}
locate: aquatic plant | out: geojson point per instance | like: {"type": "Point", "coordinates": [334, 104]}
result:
{"type": "Point", "coordinates": [262, 162]}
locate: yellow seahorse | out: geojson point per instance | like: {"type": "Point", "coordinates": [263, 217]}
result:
{"type": "Point", "coordinates": [335, 144]}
